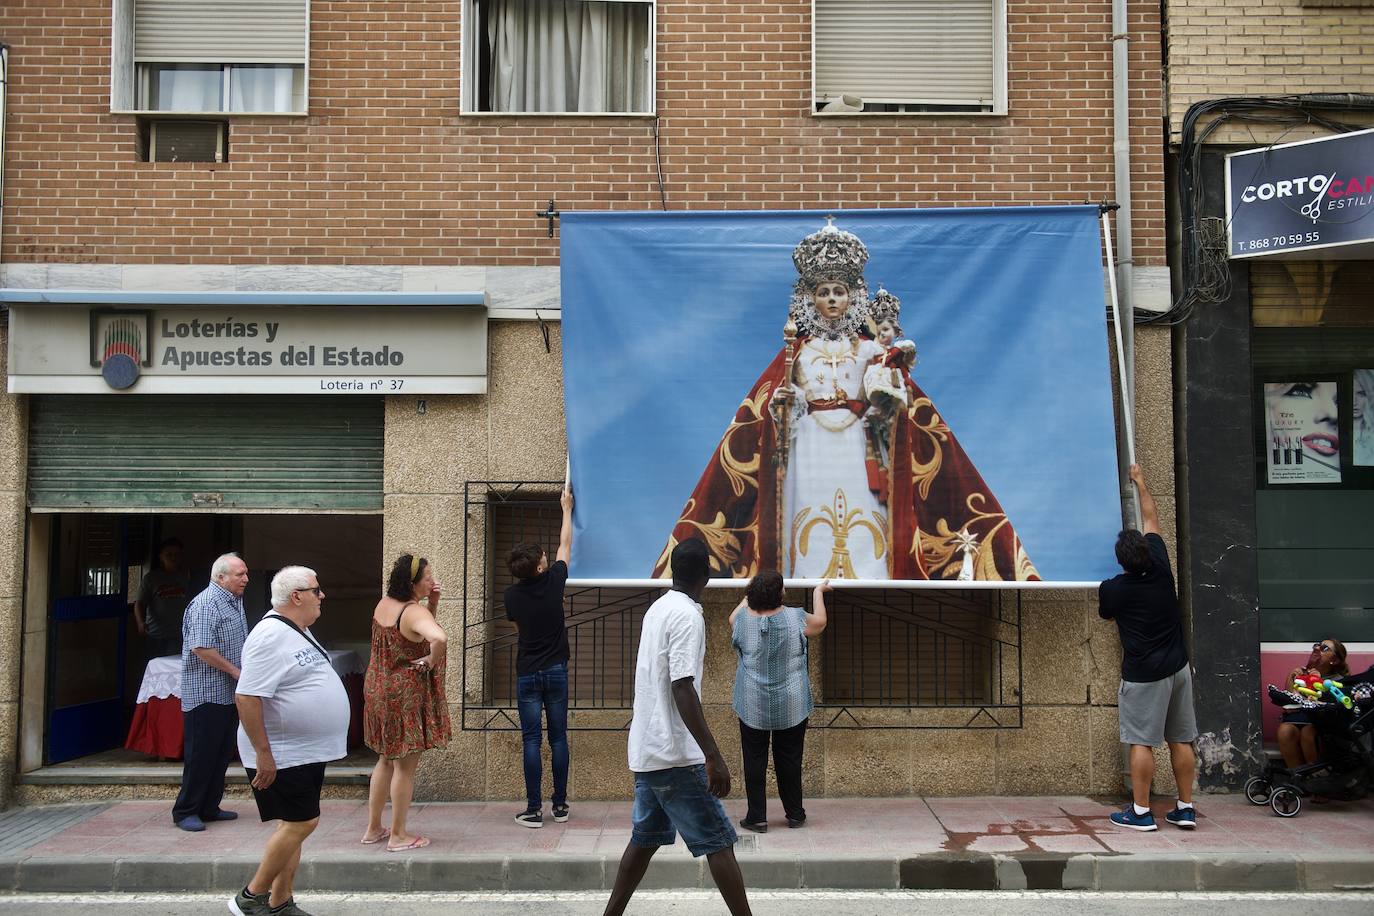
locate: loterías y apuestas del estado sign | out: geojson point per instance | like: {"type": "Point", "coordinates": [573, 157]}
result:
{"type": "Point", "coordinates": [162, 343]}
{"type": "Point", "coordinates": [1313, 194]}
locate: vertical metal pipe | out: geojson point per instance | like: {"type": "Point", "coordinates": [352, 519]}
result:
{"type": "Point", "coordinates": [1121, 159]}
{"type": "Point", "coordinates": [1119, 324]}
{"type": "Point", "coordinates": [4, 108]}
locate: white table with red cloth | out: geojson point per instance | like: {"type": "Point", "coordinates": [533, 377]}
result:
{"type": "Point", "coordinates": [157, 727]}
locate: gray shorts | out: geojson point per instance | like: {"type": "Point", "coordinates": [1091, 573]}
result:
{"type": "Point", "coordinates": [1153, 712]}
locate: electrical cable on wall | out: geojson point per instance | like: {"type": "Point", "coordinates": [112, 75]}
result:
{"type": "Point", "coordinates": [1205, 259]}
{"type": "Point", "coordinates": [658, 167]}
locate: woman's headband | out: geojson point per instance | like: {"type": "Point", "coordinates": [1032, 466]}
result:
{"type": "Point", "coordinates": [414, 567]}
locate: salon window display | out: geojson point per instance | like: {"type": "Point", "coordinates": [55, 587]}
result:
{"type": "Point", "coordinates": [1302, 432]}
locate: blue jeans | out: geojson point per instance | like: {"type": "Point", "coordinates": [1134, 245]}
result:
{"type": "Point", "coordinates": [669, 802]}
{"type": "Point", "coordinates": [545, 690]}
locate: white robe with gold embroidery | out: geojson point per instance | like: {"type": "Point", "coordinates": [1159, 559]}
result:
{"type": "Point", "coordinates": [833, 524]}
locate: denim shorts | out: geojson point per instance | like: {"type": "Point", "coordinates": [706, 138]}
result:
{"type": "Point", "coordinates": [668, 802]}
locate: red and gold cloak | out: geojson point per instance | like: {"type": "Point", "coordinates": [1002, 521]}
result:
{"type": "Point", "coordinates": [939, 506]}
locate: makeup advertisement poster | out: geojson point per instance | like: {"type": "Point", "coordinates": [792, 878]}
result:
{"type": "Point", "coordinates": [1302, 432]}
{"type": "Point", "coordinates": [876, 395]}
{"type": "Point", "coordinates": [1362, 417]}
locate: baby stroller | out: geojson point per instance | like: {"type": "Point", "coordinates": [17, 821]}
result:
{"type": "Point", "coordinates": [1346, 770]}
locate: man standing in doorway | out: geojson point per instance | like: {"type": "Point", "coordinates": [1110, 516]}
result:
{"type": "Point", "coordinates": [535, 604]}
{"type": "Point", "coordinates": [212, 635]}
{"type": "Point", "coordinates": [1155, 701]}
{"type": "Point", "coordinates": [680, 775]}
{"type": "Point", "coordinates": [295, 721]}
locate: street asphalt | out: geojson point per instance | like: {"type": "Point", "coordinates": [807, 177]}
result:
{"type": "Point", "coordinates": [702, 903]}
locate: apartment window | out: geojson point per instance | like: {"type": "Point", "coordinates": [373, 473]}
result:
{"type": "Point", "coordinates": [558, 57]}
{"type": "Point", "coordinates": [909, 56]}
{"type": "Point", "coordinates": [202, 56]}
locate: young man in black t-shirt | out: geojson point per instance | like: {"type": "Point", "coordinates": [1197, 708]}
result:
{"type": "Point", "coordinates": [1155, 701]}
{"type": "Point", "coordinates": [535, 603]}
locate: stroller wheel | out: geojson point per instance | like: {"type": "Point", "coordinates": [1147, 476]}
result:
{"type": "Point", "coordinates": [1286, 802]}
{"type": "Point", "coordinates": [1258, 790]}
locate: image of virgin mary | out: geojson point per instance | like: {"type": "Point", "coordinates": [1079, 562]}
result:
{"type": "Point", "coordinates": [837, 464]}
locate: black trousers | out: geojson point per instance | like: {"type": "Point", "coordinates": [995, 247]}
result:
{"type": "Point", "coordinates": [209, 744]}
{"type": "Point", "coordinates": [788, 744]}
{"type": "Point", "coordinates": [158, 646]}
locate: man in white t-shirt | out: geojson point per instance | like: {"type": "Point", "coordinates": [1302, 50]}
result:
{"type": "Point", "coordinates": [680, 775]}
{"type": "Point", "coordinates": [293, 715]}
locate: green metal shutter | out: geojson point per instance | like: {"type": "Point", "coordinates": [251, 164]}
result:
{"type": "Point", "coordinates": [185, 452]}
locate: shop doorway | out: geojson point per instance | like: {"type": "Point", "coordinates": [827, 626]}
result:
{"type": "Point", "coordinates": [97, 662]}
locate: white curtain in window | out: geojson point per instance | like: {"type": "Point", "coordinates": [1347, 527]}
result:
{"type": "Point", "coordinates": [188, 87]}
{"type": "Point", "coordinates": [265, 88]}
{"type": "Point", "coordinates": [569, 55]}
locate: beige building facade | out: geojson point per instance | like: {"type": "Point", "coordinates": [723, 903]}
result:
{"type": "Point", "coordinates": [391, 186]}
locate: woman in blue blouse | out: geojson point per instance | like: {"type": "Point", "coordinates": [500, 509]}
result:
{"type": "Point", "coordinates": [773, 692]}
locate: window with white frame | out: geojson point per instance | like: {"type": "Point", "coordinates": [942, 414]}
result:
{"type": "Point", "coordinates": [921, 56]}
{"type": "Point", "coordinates": [558, 56]}
{"type": "Point", "coordinates": [199, 56]}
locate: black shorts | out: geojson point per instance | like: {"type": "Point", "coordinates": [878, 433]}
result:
{"type": "Point", "coordinates": [293, 796]}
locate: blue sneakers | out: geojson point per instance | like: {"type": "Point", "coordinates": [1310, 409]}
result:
{"type": "Point", "coordinates": [1129, 819]}
{"type": "Point", "coordinates": [1182, 817]}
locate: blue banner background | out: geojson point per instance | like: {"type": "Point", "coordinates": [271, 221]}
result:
{"type": "Point", "coordinates": [669, 318]}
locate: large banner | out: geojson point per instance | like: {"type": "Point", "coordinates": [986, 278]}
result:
{"type": "Point", "coordinates": [877, 395]}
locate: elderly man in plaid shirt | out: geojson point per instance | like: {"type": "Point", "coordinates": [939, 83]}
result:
{"type": "Point", "coordinates": [212, 635]}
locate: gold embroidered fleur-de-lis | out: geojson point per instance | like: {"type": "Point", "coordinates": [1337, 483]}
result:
{"type": "Point", "coordinates": [841, 520]}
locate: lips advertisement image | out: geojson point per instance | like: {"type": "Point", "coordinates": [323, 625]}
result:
{"type": "Point", "coordinates": [1302, 432]}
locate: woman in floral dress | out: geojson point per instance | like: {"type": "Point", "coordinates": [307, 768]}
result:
{"type": "Point", "coordinates": [405, 711]}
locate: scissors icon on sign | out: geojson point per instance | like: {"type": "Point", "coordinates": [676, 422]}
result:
{"type": "Point", "coordinates": [1313, 210]}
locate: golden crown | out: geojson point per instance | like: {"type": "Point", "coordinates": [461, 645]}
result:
{"type": "Point", "coordinates": [830, 254]}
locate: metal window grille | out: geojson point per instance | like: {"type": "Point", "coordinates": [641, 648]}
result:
{"type": "Point", "coordinates": [893, 658]}
{"type": "Point", "coordinates": [890, 659]}
{"type": "Point", "coordinates": [603, 623]}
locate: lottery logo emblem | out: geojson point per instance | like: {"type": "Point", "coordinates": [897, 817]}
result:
{"type": "Point", "coordinates": [122, 353]}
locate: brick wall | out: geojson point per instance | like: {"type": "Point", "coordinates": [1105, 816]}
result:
{"type": "Point", "coordinates": [384, 170]}
{"type": "Point", "coordinates": [1277, 47]}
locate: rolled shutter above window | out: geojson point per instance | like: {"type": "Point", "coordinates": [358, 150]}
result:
{"type": "Point", "coordinates": [221, 31]}
{"type": "Point", "coordinates": [908, 51]}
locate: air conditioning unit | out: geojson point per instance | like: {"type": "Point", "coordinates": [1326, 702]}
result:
{"type": "Point", "coordinates": [187, 141]}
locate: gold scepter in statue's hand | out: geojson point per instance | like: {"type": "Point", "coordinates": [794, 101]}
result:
{"type": "Point", "coordinates": [789, 337]}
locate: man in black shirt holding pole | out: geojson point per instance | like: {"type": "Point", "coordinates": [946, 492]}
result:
{"type": "Point", "coordinates": [1155, 701]}
{"type": "Point", "coordinates": [535, 603]}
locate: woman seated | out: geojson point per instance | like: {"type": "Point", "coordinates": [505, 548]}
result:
{"type": "Point", "coordinates": [1297, 735]}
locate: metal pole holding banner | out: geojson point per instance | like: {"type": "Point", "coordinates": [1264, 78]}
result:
{"type": "Point", "coordinates": [1125, 387]}
{"type": "Point", "coordinates": [789, 339]}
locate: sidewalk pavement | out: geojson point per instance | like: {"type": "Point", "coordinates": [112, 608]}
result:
{"type": "Point", "coordinates": [868, 843]}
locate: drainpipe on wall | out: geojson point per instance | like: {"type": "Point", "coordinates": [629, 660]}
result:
{"type": "Point", "coordinates": [1121, 158]}
{"type": "Point", "coordinates": [4, 106]}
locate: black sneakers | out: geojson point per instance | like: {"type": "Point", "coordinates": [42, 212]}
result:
{"type": "Point", "coordinates": [560, 813]}
{"type": "Point", "coordinates": [246, 904]}
{"type": "Point", "coordinates": [530, 819]}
